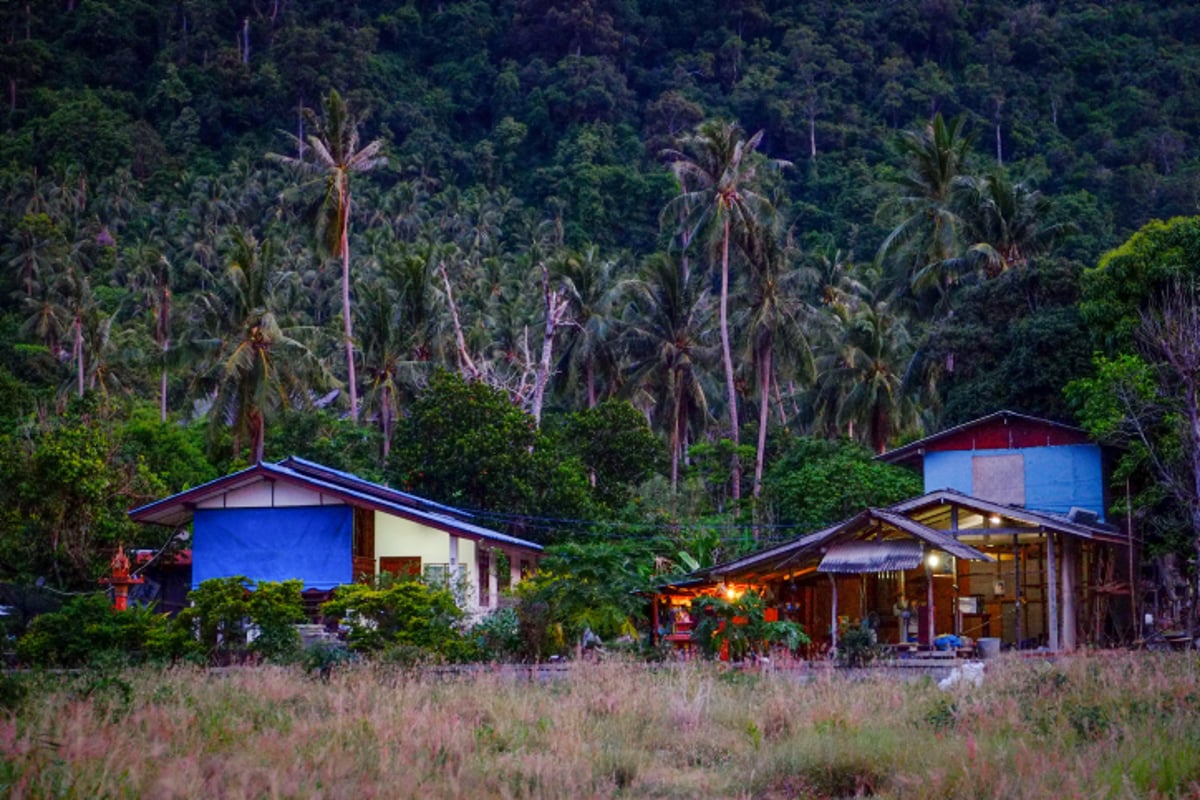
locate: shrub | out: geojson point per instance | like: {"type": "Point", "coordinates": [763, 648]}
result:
{"type": "Point", "coordinates": [498, 635]}
{"type": "Point", "coordinates": [87, 629]}
{"type": "Point", "coordinates": [222, 609]}
{"type": "Point", "coordinates": [858, 645]}
{"type": "Point", "coordinates": [740, 628]}
{"type": "Point", "coordinates": [276, 608]}
{"type": "Point", "coordinates": [217, 615]}
{"type": "Point", "coordinates": [407, 613]}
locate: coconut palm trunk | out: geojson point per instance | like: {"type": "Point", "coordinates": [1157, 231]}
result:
{"type": "Point", "coordinates": [347, 323]}
{"type": "Point", "coordinates": [727, 358]}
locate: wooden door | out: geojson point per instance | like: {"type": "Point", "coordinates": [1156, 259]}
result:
{"type": "Point", "coordinates": [402, 567]}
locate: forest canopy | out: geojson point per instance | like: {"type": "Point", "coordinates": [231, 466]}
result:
{"type": "Point", "coordinates": [240, 229]}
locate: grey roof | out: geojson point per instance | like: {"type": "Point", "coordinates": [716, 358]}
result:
{"type": "Point", "coordinates": [1057, 523]}
{"type": "Point", "coordinates": [779, 557]}
{"type": "Point", "coordinates": [870, 556]}
{"type": "Point", "coordinates": [177, 509]}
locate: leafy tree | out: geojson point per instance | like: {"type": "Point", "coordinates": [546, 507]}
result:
{"type": "Point", "coordinates": [1128, 279]}
{"type": "Point", "coordinates": [819, 482]}
{"type": "Point", "coordinates": [66, 486]}
{"type": "Point", "coordinates": [335, 156]}
{"type": "Point", "coordinates": [588, 586]}
{"type": "Point", "coordinates": [1012, 342]}
{"type": "Point", "coordinates": [1151, 406]}
{"type": "Point", "coordinates": [465, 443]}
{"type": "Point", "coordinates": [615, 445]}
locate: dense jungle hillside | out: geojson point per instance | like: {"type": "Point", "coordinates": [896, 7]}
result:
{"type": "Point", "coordinates": [607, 260]}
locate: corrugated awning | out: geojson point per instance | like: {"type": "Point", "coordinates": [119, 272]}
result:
{"type": "Point", "coordinates": [859, 557]}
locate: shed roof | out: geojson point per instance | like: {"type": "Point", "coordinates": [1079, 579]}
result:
{"type": "Point", "coordinates": [177, 510]}
{"type": "Point", "coordinates": [859, 557]}
{"type": "Point", "coordinates": [998, 430]}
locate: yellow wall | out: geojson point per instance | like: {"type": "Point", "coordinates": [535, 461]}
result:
{"type": "Point", "coordinates": [395, 536]}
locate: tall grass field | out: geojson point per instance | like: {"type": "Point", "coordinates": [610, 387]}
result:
{"type": "Point", "coordinates": [1110, 726]}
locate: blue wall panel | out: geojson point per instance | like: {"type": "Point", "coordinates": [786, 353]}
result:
{"type": "Point", "coordinates": [311, 543]}
{"type": "Point", "coordinates": [1056, 478]}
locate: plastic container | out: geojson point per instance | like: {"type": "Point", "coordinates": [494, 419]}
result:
{"type": "Point", "coordinates": [989, 647]}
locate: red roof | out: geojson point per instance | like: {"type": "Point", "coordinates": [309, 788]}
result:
{"type": "Point", "coordinates": [1003, 430]}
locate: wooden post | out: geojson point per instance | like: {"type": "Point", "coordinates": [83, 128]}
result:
{"type": "Point", "coordinates": [929, 604]}
{"type": "Point", "coordinates": [1017, 611]}
{"type": "Point", "coordinates": [654, 619]}
{"type": "Point", "coordinates": [833, 628]}
{"type": "Point", "coordinates": [1051, 594]}
{"type": "Point", "coordinates": [1068, 565]}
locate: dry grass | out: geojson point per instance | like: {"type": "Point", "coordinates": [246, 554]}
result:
{"type": "Point", "coordinates": [1101, 726]}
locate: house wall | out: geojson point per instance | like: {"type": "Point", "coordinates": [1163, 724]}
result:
{"type": "Point", "coordinates": [395, 536]}
{"type": "Point", "coordinates": [1055, 479]}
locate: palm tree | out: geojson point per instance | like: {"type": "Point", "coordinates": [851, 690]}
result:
{"type": "Point", "coordinates": [335, 156]}
{"type": "Point", "coordinates": [860, 385]}
{"type": "Point", "coordinates": [255, 365]}
{"type": "Point", "coordinates": [383, 345]}
{"type": "Point", "coordinates": [1006, 223]}
{"type": "Point", "coordinates": [718, 174]}
{"type": "Point", "coordinates": [928, 233]}
{"type": "Point", "coordinates": [775, 325]}
{"type": "Point", "coordinates": [665, 338]}
{"type": "Point", "coordinates": [590, 289]}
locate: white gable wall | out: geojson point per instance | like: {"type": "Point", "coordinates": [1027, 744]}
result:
{"type": "Point", "coordinates": [269, 494]}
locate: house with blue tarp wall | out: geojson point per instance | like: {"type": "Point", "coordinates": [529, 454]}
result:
{"type": "Point", "coordinates": [304, 521]}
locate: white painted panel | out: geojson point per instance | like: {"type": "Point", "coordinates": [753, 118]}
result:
{"type": "Point", "coordinates": [288, 495]}
{"type": "Point", "coordinates": [257, 495]}
{"type": "Point", "coordinates": [212, 502]}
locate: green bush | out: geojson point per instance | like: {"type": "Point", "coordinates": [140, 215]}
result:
{"type": "Point", "coordinates": [86, 630]}
{"type": "Point", "coordinates": [276, 608]}
{"type": "Point", "coordinates": [407, 613]}
{"type": "Point", "coordinates": [741, 626]}
{"type": "Point", "coordinates": [858, 645]}
{"type": "Point", "coordinates": [223, 609]}
{"type": "Point", "coordinates": [498, 635]}
{"type": "Point", "coordinates": [219, 610]}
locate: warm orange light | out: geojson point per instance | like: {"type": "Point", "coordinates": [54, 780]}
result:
{"type": "Point", "coordinates": [995, 519]}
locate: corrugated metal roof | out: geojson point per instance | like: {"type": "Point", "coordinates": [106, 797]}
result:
{"type": "Point", "coordinates": [177, 509]}
{"type": "Point", "coordinates": [939, 539]}
{"type": "Point", "coordinates": [1038, 519]}
{"type": "Point", "coordinates": [859, 557]}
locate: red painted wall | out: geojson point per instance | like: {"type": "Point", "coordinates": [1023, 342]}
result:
{"type": "Point", "coordinates": [998, 435]}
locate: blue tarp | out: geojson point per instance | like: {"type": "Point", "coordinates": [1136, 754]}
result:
{"type": "Point", "coordinates": [310, 543]}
